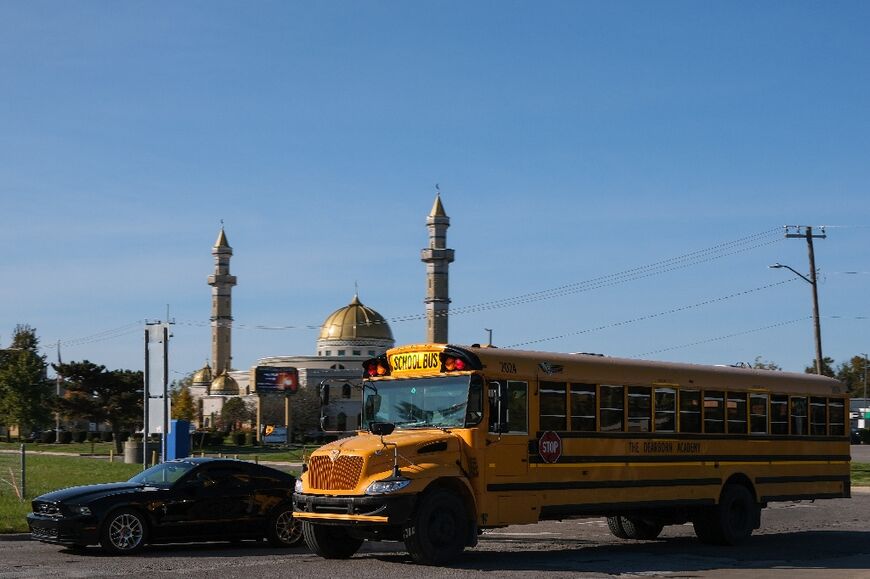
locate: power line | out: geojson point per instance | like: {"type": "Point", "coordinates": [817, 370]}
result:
{"type": "Point", "coordinates": [651, 316]}
{"type": "Point", "coordinates": [720, 338]}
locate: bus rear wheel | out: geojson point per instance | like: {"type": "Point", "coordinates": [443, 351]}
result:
{"type": "Point", "coordinates": [732, 521]}
{"type": "Point", "coordinates": [438, 531]}
{"type": "Point", "coordinates": [634, 528]}
{"type": "Point", "coordinates": [330, 542]}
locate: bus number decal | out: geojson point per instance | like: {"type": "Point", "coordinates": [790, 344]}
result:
{"type": "Point", "coordinates": [508, 368]}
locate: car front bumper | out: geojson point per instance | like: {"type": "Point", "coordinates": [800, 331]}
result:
{"type": "Point", "coordinates": [63, 530]}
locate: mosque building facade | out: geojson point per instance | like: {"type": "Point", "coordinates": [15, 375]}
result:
{"type": "Point", "coordinates": [348, 336]}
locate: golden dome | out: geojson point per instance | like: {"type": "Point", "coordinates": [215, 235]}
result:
{"type": "Point", "coordinates": [224, 385]}
{"type": "Point", "coordinates": [355, 321]}
{"type": "Point", "coordinates": [202, 376]}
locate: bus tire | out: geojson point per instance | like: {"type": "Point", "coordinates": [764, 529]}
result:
{"type": "Point", "coordinates": [616, 528]}
{"type": "Point", "coordinates": [641, 529]}
{"type": "Point", "coordinates": [634, 528]}
{"type": "Point", "coordinates": [330, 542]}
{"type": "Point", "coordinates": [438, 531]}
{"type": "Point", "coordinates": [732, 521]}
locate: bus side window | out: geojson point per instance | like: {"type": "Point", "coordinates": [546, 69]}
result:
{"type": "Point", "coordinates": [778, 414]}
{"type": "Point", "coordinates": [690, 411]}
{"type": "Point", "coordinates": [799, 415]}
{"type": "Point", "coordinates": [583, 407]}
{"type": "Point", "coordinates": [736, 407]}
{"type": "Point", "coordinates": [553, 412]}
{"type": "Point", "coordinates": [639, 409]}
{"type": "Point", "coordinates": [818, 417]}
{"type": "Point", "coordinates": [714, 411]}
{"type": "Point", "coordinates": [612, 408]}
{"type": "Point", "coordinates": [758, 413]}
{"type": "Point", "coordinates": [518, 406]}
{"type": "Point", "coordinates": [836, 417]}
{"type": "Point", "coordinates": [666, 409]}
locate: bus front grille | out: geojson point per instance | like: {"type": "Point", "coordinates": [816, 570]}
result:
{"type": "Point", "coordinates": [341, 474]}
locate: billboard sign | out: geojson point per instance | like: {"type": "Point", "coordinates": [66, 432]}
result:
{"type": "Point", "coordinates": [276, 379]}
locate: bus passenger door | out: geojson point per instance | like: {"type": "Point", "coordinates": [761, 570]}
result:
{"type": "Point", "coordinates": [507, 453]}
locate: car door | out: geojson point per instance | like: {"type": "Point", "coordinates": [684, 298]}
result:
{"type": "Point", "coordinates": [213, 502]}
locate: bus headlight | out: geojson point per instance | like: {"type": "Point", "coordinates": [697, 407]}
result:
{"type": "Point", "coordinates": [297, 488]}
{"type": "Point", "coordinates": [387, 485]}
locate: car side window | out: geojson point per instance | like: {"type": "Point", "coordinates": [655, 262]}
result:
{"type": "Point", "coordinates": [225, 477]}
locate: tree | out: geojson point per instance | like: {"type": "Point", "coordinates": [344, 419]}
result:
{"type": "Point", "coordinates": [760, 364]}
{"type": "Point", "coordinates": [183, 406]}
{"type": "Point", "coordinates": [234, 413]}
{"type": "Point", "coordinates": [25, 393]}
{"type": "Point", "coordinates": [851, 374]}
{"type": "Point", "coordinates": [827, 367]}
{"type": "Point", "coordinates": [97, 395]}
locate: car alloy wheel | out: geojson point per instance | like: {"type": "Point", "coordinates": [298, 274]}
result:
{"type": "Point", "coordinates": [125, 532]}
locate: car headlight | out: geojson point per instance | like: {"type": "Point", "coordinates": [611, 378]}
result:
{"type": "Point", "coordinates": [81, 510]}
{"type": "Point", "coordinates": [387, 485]}
{"type": "Point", "coordinates": [297, 488]}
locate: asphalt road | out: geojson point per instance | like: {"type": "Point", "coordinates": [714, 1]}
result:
{"type": "Point", "coordinates": [818, 540]}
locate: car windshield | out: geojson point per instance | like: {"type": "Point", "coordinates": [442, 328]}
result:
{"type": "Point", "coordinates": [163, 475]}
{"type": "Point", "coordinates": [442, 401]}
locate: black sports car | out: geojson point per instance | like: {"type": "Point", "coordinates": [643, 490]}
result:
{"type": "Point", "coordinates": [191, 499]}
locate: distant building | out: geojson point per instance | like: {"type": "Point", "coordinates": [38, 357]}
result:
{"type": "Point", "coordinates": [349, 336]}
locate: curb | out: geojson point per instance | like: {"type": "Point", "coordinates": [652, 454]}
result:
{"type": "Point", "coordinates": [15, 537]}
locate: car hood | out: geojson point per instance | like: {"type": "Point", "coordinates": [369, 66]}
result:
{"type": "Point", "coordinates": [90, 492]}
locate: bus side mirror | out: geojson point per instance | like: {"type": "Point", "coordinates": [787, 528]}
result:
{"type": "Point", "coordinates": [382, 428]}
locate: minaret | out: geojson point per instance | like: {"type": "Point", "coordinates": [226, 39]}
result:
{"type": "Point", "coordinates": [437, 259]}
{"type": "Point", "coordinates": [221, 305]}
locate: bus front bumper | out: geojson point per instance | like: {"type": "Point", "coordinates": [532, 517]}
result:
{"type": "Point", "coordinates": [367, 510]}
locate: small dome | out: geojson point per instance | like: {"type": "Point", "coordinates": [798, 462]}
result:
{"type": "Point", "coordinates": [224, 385]}
{"type": "Point", "coordinates": [354, 322]}
{"type": "Point", "coordinates": [203, 376]}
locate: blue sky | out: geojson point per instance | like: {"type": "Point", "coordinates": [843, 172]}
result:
{"type": "Point", "coordinates": [571, 140]}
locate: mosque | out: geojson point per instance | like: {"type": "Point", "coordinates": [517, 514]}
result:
{"type": "Point", "coordinates": [349, 336]}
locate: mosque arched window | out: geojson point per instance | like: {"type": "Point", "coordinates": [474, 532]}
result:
{"type": "Point", "coordinates": [345, 390]}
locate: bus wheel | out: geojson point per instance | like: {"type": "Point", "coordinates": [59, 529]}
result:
{"type": "Point", "coordinates": [330, 542]}
{"type": "Point", "coordinates": [438, 532]}
{"type": "Point", "coordinates": [634, 528]}
{"type": "Point", "coordinates": [616, 528]}
{"type": "Point", "coordinates": [730, 522]}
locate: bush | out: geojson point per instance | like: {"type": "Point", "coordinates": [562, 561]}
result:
{"type": "Point", "coordinates": [250, 439]}
{"type": "Point", "coordinates": [47, 436]}
{"type": "Point", "coordinates": [93, 437]}
{"type": "Point", "coordinates": [864, 433]}
{"type": "Point", "coordinates": [80, 436]}
{"type": "Point", "coordinates": [107, 436]}
{"type": "Point", "coordinates": [239, 438]}
{"type": "Point", "coordinates": [198, 439]}
{"type": "Point", "coordinates": [124, 435]}
{"type": "Point", "coordinates": [215, 439]}
{"type": "Point", "coordinates": [65, 437]}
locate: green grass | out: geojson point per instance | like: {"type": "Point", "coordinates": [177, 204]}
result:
{"type": "Point", "coordinates": [48, 473]}
{"type": "Point", "coordinates": [860, 474]}
{"type": "Point", "coordinates": [270, 452]}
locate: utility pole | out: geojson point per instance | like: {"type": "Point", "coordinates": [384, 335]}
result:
{"type": "Point", "coordinates": [806, 232]}
{"type": "Point", "coordinates": [57, 388]}
{"type": "Point", "coordinates": [164, 335]}
{"type": "Point", "coordinates": [145, 402]}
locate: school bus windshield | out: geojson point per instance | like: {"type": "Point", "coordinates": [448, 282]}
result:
{"type": "Point", "coordinates": [441, 401]}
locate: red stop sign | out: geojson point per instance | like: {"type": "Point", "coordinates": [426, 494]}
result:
{"type": "Point", "coordinates": [550, 446]}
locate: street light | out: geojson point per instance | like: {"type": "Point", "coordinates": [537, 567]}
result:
{"type": "Point", "coordinates": [865, 380]}
{"type": "Point", "coordinates": [816, 326]}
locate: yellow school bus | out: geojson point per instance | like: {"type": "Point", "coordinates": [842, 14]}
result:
{"type": "Point", "coordinates": [461, 439]}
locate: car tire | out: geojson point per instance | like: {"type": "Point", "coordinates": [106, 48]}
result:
{"type": "Point", "coordinates": [330, 542]}
{"type": "Point", "coordinates": [123, 532]}
{"type": "Point", "coordinates": [284, 530]}
{"type": "Point", "coordinates": [438, 531]}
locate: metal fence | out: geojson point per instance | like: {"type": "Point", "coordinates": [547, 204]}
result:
{"type": "Point", "coordinates": [13, 481]}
